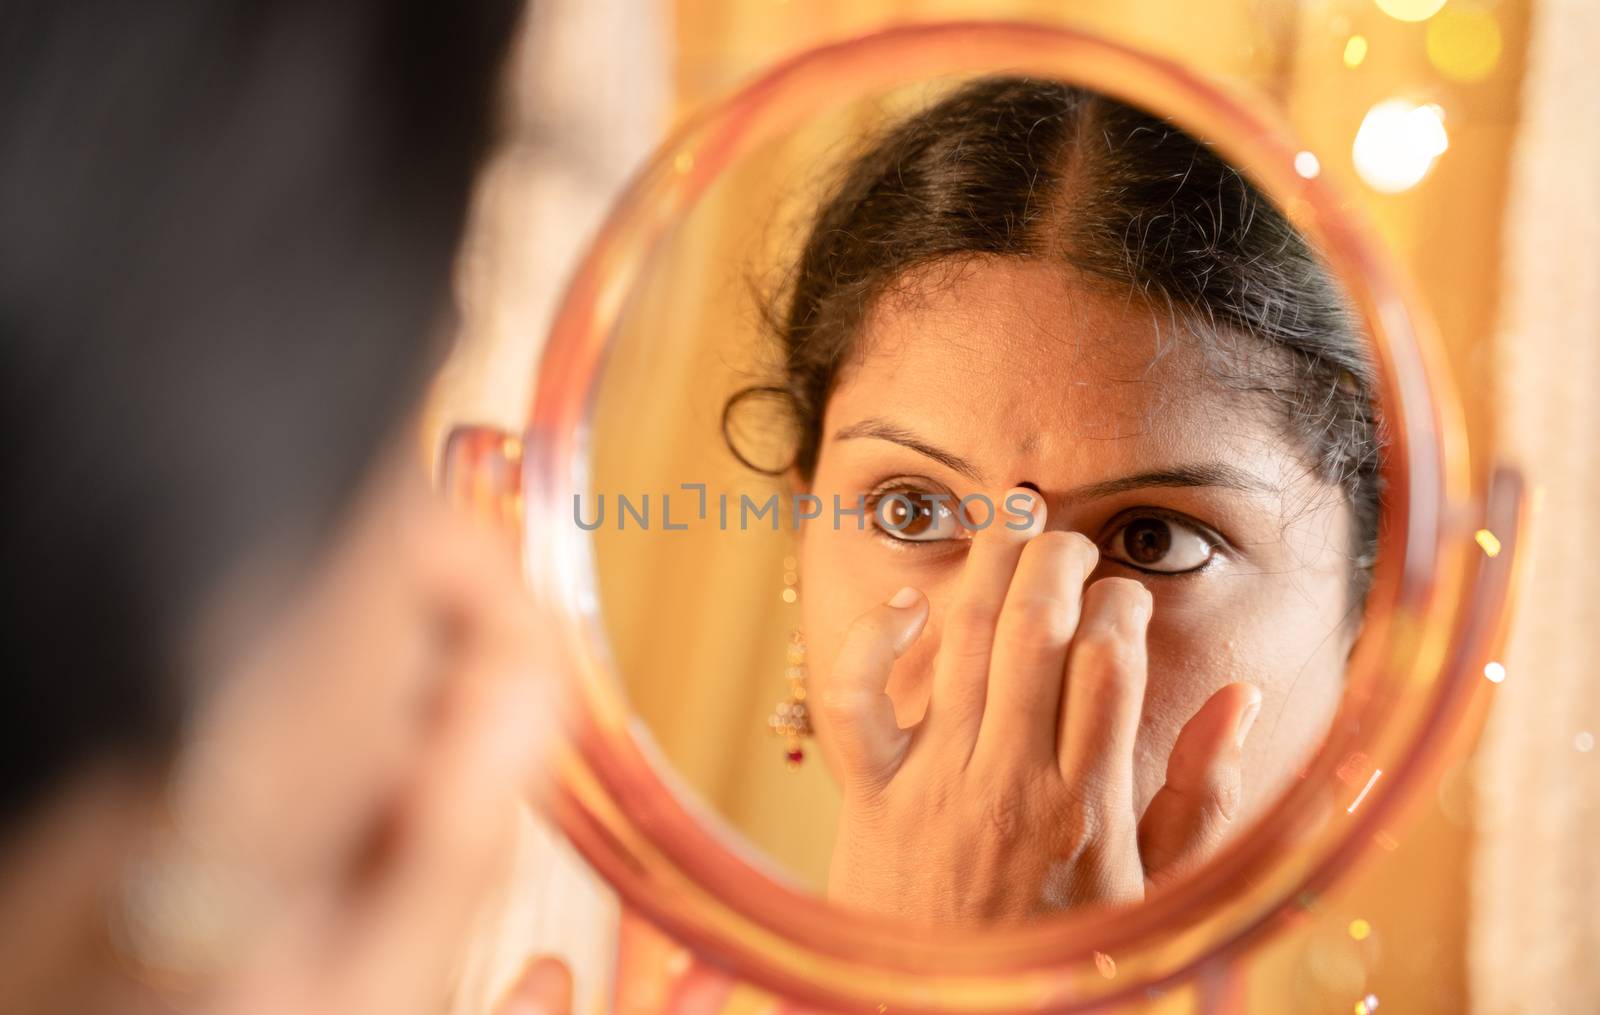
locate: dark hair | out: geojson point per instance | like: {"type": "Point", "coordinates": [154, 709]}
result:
{"type": "Point", "coordinates": [228, 232]}
{"type": "Point", "coordinates": [1016, 167]}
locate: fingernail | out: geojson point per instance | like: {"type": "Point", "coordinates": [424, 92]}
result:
{"type": "Point", "coordinates": [1247, 719]}
{"type": "Point", "coordinates": [545, 989]}
{"type": "Point", "coordinates": [1027, 510]}
{"type": "Point", "coordinates": [905, 599]}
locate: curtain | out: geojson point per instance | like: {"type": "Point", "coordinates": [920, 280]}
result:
{"type": "Point", "coordinates": [1536, 881]}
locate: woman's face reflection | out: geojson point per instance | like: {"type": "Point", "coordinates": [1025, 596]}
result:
{"type": "Point", "coordinates": [978, 376]}
{"type": "Point", "coordinates": [1032, 297]}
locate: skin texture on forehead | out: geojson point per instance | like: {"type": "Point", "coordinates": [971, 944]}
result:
{"type": "Point", "coordinates": [1027, 372]}
{"type": "Point", "coordinates": [1080, 360]}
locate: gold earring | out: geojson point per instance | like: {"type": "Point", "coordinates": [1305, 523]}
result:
{"type": "Point", "coordinates": [791, 719]}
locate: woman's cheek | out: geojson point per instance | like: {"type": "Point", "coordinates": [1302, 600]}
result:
{"type": "Point", "coordinates": [1192, 656]}
{"type": "Point", "coordinates": [1190, 659]}
{"type": "Point", "coordinates": [1300, 696]}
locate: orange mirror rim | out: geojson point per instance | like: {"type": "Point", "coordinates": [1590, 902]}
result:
{"type": "Point", "coordinates": [1435, 610]}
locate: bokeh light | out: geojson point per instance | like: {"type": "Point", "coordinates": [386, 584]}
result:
{"type": "Point", "coordinates": [1332, 964]}
{"type": "Point", "coordinates": [1464, 45]}
{"type": "Point", "coordinates": [1488, 541]}
{"type": "Point", "coordinates": [1398, 143]}
{"type": "Point", "coordinates": [1307, 164]}
{"type": "Point", "coordinates": [1410, 10]}
{"type": "Point", "coordinates": [1355, 50]}
{"type": "Point", "coordinates": [1496, 672]}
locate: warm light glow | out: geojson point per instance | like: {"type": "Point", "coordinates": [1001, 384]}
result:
{"type": "Point", "coordinates": [1464, 45]}
{"type": "Point", "coordinates": [1360, 929]}
{"type": "Point", "coordinates": [1495, 672]}
{"type": "Point", "coordinates": [1489, 541]}
{"type": "Point", "coordinates": [1398, 143]}
{"type": "Point", "coordinates": [1307, 165]}
{"type": "Point", "coordinates": [1376, 774]}
{"type": "Point", "coordinates": [1583, 743]}
{"type": "Point", "coordinates": [1410, 10]}
{"type": "Point", "coordinates": [1355, 50]}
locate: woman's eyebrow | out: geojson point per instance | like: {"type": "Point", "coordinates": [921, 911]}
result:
{"type": "Point", "coordinates": [883, 430]}
{"type": "Point", "coordinates": [1217, 474]}
{"type": "Point", "coordinates": [1199, 474]}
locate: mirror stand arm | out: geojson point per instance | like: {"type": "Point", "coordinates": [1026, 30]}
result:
{"type": "Point", "coordinates": [480, 471]}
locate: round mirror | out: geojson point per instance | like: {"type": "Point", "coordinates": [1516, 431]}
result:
{"type": "Point", "coordinates": [1004, 521]}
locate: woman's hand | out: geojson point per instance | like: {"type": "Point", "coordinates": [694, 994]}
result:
{"type": "Point", "coordinates": [1015, 793]}
{"type": "Point", "coordinates": [543, 988]}
{"type": "Point", "coordinates": [364, 768]}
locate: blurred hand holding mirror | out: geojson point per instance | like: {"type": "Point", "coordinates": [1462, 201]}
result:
{"type": "Point", "coordinates": [1034, 453]}
{"type": "Point", "coordinates": [1023, 295]}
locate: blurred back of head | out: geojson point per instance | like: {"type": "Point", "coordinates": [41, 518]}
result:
{"type": "Point", "coordinates": [226, 231]}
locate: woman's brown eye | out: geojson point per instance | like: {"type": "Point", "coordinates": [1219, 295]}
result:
{"type": "Point", "coordinates": [1147, 540]}
{"type": "Point", "coordinates": [905, 516]}
{"type": "Point", "coordinates": [1161, 545]}
{"type": "Point", "coordinates": [913, 516]}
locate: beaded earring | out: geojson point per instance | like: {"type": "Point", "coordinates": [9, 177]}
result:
{"type": "Point", "coordinates": [790, 719]}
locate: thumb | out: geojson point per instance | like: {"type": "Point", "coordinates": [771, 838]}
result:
{"type": "Point", "coordinates": [1190, 815]}
{"type": "Point", "coordinates": [544, 988]}
{"type": "Point", "coordinates": [860, 724]}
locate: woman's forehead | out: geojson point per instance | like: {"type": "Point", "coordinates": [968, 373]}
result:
{"type": "Point", "coordinates": [1020, 360]}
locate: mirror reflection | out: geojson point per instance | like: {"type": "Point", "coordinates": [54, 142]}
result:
{"type": "Point", "coordinates": [1033, 469]}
